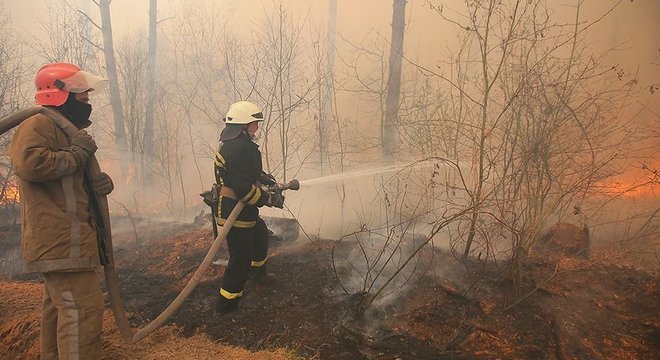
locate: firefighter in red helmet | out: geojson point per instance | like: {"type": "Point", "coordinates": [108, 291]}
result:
{"type": "Point", "coordinates": [58, 230]}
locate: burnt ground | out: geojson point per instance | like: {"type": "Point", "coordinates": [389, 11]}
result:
{"type": "Point", "coordinates": [570, 309]}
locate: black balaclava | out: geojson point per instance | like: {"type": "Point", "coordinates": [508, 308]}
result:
{"type": "Point", "coordinates": [77, 112]}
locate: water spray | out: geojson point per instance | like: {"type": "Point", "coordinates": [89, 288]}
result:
{"type": "Point", "coordinates": [361, 173]}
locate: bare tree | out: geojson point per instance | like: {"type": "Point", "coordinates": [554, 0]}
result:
{"type": "Point", "coordinates": [365, 78]}
{"type": "Point", "coordinates": [536, 110]}
{"type": "Point", "coordinates": [12, 75]}
{"type": "Point", "coordinates": [326, 113]}
{"type": "Point", "coordinates": [150, 87]}
{"type": "Point", "coordinates": [390, 249]}
{"type": "Point", "coordinates": [192, 64]}
{"type": "Point", "coordinates": [111, 70]}
{"type": "Point", "coordinates": [394, 81]}
{"type": "Point", "coordinates": [69, 37]}
{"type": "Point", "coordinates": [284, 91]}
{"type": "Point", "coordinates": [132, 56]}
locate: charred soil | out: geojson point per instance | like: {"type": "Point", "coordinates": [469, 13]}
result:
{"type": "Point", "coordinates": [564, 309]}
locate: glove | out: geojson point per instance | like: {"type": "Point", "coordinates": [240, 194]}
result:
{"type": "Point", "coordinates": [103, 184]}
{"type": "Point", "coordinates": [82, 147]}
{"type": "Point", "coordinates": [267, 179]}
{"type": "Point", "coordinates": [84, 140]}
{"type": "Point", "coordinates": [211, 197]}
{"type": "Point", "coordinates": [276, 200]}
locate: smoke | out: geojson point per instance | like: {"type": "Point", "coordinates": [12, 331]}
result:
{"type": "Point", "coordinates": [334, 205]}
{"type": "Point", "coordinates": [376, 199]}
{"type": "Point", "coordinates": [380, 221]}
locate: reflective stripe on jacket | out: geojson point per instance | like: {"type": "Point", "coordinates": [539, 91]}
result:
{"type": "Point", "coordinates": [57, 227]}
{"type": "Point", "coordinates": [238, 166]}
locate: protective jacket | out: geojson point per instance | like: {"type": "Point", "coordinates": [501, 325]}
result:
{"type": "Point", "coordinates": [58, 227]}
{"type": "Point", "coordinates": [238, 167]}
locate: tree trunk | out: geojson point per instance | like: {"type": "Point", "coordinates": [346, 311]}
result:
{"type": "Point", "coordinates": [483, 130]}
{"type": "Point", "coordinates": [111, 70]}
{"type": "Point", "coordinates": [327, 110]}
{"type": "Point", "coordinates": [394, 82]}
{"type": "Point", "coordinates": [149, 149]}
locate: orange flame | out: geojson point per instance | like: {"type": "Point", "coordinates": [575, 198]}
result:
{"type": "Point", "coordinates": [9, 194]}
{"type": "Point", "coordinates": [635, 189]}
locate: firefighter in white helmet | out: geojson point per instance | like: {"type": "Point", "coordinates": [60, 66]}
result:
{"type": "Point", "coordinates": [238, 171]}
{"type": "Point", "coordinates": [58, 229]}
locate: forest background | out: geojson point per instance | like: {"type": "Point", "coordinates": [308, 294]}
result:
{"type": "Point", "coordinates": [480, 123]}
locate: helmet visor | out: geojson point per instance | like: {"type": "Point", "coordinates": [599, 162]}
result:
{"type": "Point", "coordinates": [82, 81]}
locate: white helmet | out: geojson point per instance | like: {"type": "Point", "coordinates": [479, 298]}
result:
{"type": "Point", "coordinates": [243, 113]}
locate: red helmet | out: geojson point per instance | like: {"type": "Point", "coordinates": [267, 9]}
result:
{"type": "Point", "coordinates": [55, 81]}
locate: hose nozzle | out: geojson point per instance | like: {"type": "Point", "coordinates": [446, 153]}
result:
{"type": "Point", "coordinates": [291, 185]}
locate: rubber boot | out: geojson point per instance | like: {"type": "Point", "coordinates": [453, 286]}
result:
{"type": "Point", "coordinates": [260, 275]}
{"type": "Point", "coordinates": [225, 306]}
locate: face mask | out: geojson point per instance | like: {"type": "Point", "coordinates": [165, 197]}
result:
{"type": "Point", "coordinates": [76, 111]}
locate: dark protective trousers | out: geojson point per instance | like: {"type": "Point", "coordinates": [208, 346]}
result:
{"type": "Point", "coordinates": [71, 316]}
{"type": "Point", "coordinates": [248, 247]}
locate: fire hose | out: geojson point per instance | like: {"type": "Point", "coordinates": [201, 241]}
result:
{"type": "Point", "coordinates": [110, 273]}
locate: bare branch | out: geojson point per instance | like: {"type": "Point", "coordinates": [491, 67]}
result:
{"type": "Point", "coordinates": [89, 19]}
